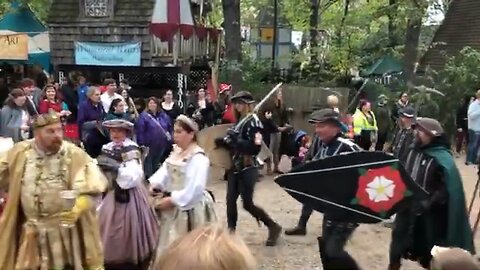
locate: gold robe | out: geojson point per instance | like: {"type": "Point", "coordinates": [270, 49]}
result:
{"type": "Point", "coordinates": [20, 243]}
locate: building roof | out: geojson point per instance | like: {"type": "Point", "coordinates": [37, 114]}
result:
{"type": "Point", "coordinates": [385, 65]}
{"type": "Point", "coordinates": [461, 28]}
{"type": "Point", "coordinates": [125, 12]}
{"type": "Point", "coordinates": [21, 19]}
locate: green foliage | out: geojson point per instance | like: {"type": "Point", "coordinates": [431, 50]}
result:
{"type": "Point", "coordinates": [40, 7]}
{"type": "Point", "coordinates": [458, 79]}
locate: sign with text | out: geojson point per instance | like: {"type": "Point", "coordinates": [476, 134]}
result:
{"type": "Point", "coordinates": [14, 47]}
{"type": "Point", "coordinates": [108, 54]}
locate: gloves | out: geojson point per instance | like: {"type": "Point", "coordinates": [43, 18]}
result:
{"type": "Point", "coordinates": [82, 204]}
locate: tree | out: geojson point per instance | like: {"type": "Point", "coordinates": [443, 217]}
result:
{"type": "Point", "coordinates": [233, 42]}
{"type": "Point", "coordinates": [416, 11]}
{"type": "Point", "coordinates": [40, 7]}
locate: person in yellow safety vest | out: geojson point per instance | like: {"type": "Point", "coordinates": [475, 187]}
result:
{"type": "Point", "coordinates": [364, 125]}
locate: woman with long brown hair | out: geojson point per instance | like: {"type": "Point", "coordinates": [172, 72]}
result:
{"type": "Point", "coordinates": [15, 120]}
{"type": "Point", "coordinates": [279, 117]}
{"type": "Point", "coordinates": [51, 101]}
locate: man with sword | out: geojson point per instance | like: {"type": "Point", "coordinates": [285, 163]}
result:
{"type": "Point", "coordinates": [245, 140]}
{"type": "Point", "coordinates": [335, 234]}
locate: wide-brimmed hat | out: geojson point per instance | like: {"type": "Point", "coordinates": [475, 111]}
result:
{"type": "Point", "coordinates": [325, 115]}
{"type": "Point", "coordinates": [429, 126]}
{"type": "Point", "coordinates": [118, 123]}
{"type": "Point", "coordinates": [408, 112]}
{"type": "Point", "coordinates": [188, 121]}
{"type": "Point", "coordinates": [224, 88]}
{"type": "Point", "coordinates": [243, 97]}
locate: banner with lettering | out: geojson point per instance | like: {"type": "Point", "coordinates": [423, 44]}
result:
{"type": "Point", "coordinates": [108, 54]}
{"type": "Point", "coordinates": [14, 47]}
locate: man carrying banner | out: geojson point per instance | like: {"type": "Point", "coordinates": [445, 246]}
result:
{"type": "Point", "coordinates": [441, 219]}
{"type": "Point", "coordinates": [327, 143]}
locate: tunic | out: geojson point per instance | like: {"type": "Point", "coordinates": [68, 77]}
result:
{"type": "Point", "coordinates": [183, 175]}
{"type": "Point", "coordinates": [402, 143]}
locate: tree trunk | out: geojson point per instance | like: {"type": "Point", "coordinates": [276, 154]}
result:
{"type": "Point", "coordinates": [342, 23]}
{"type": "Point", "coordinates": [412, 37]}
{"type": "Point", "coordinates": [314, 6]}
{"type": "Point", "coordinates": [233, 42]}
{"type": "Point", "coordinates": [391, 23]}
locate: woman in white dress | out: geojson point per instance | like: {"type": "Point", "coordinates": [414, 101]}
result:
{"type": "Point", "coordinates": [181, 197]}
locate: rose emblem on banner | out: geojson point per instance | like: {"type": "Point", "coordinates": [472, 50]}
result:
{"type": "Point", "coordinates": [380, 189]}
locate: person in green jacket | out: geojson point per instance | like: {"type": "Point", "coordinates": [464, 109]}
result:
{"type": "Point", "coordinates": [382, 114]}
{"type": "Point", "coordinates": [441, 219]}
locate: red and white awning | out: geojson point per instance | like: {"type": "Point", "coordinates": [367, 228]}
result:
{"type": "Point", "coordinates": [171, 16]}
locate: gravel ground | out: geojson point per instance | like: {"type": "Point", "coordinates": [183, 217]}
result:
{"type": "Point", "coordinates": [369, 244]}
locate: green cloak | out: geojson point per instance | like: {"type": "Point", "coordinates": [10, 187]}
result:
{"type": "Point", "coordinates": [459, 232]}
{"type": "Point", "coordinates": [419, 239]}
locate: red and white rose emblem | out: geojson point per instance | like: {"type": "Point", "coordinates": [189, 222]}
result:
{"type": "Point", "coordinates": [380, 189]}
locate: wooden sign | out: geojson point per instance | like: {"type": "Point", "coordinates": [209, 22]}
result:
{"type": "Point", "coordinates": [14, 47]}
{"type": "Point", "coordinates": [266, 34]}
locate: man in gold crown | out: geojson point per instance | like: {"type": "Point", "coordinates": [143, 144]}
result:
{"type": "Point", "coordinates": [49, 221]}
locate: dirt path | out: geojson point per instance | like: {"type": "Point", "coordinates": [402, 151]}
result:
{"type": "Point", "coordinates": [369, 244]}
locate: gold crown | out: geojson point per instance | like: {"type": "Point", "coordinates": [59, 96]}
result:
{"type": "Point", "coordinates": [46, 119]}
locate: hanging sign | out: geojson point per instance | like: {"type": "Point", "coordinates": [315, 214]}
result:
{"type": "Point", "coordinates": [14, 47]}
{"type": "Point", "coordinates": [108, 54]}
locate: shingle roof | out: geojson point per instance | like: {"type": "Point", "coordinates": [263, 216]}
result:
{"type": "Point", "coordinates": [460, 28]}
{"type": "Point", "coordinates": [125, 12]}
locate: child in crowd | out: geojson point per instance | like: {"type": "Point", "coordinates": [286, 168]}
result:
{"type": "Point", "coordinates": [302, 143]}
{"type": "Point", "coordinates": [207, 248]}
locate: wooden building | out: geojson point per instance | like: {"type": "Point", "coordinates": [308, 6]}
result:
{"type": "Point", "coordinates": [168, 31]}
{"type": "Point", "coordinates": [460, 28]}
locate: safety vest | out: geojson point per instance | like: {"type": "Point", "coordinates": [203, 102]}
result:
{"type": "Point", "coordinates": [360, 122]}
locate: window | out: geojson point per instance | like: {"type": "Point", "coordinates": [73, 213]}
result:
{"type": "Point", "coordinates": [97, 8]}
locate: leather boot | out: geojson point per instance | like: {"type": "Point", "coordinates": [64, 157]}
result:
{"type": "Point", "coordinates": [297, 230]}
{"type": "Point", "coordinates": [274, 231]}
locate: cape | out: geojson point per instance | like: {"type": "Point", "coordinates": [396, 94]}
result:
{"type": "Point", "coordinates": [83, 170]}
{"type": "Point", "coordinates": [459, 232]}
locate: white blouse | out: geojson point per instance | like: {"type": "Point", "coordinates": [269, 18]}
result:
{"type": "Point", "coordinates": [130, 173]}
{"type": "Point", "coordinates": [194, 183]}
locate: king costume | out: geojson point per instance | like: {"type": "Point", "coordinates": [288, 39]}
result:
{"type": "Point", "coordinates": [31, 235]}
{"type": "Point", "coordinates": [128, 224]}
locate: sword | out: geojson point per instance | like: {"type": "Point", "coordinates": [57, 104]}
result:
{"type": "Point", "coordinates": [260, 104]}
{"type": "Point", "coordinates": [354, 100]}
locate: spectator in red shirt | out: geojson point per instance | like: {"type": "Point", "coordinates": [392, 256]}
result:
{"type": "Point", "coordinates": [52, 102]}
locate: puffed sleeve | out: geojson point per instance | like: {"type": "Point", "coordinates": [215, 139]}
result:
{"type": "Point", "coordinates": [130, 175]}
{"type": "Point", "coordinates": [195, 183]}
{"type": "Point", "coordinates": [90, 180]}
{"type": "Point", "coordinates": [160, 178]}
